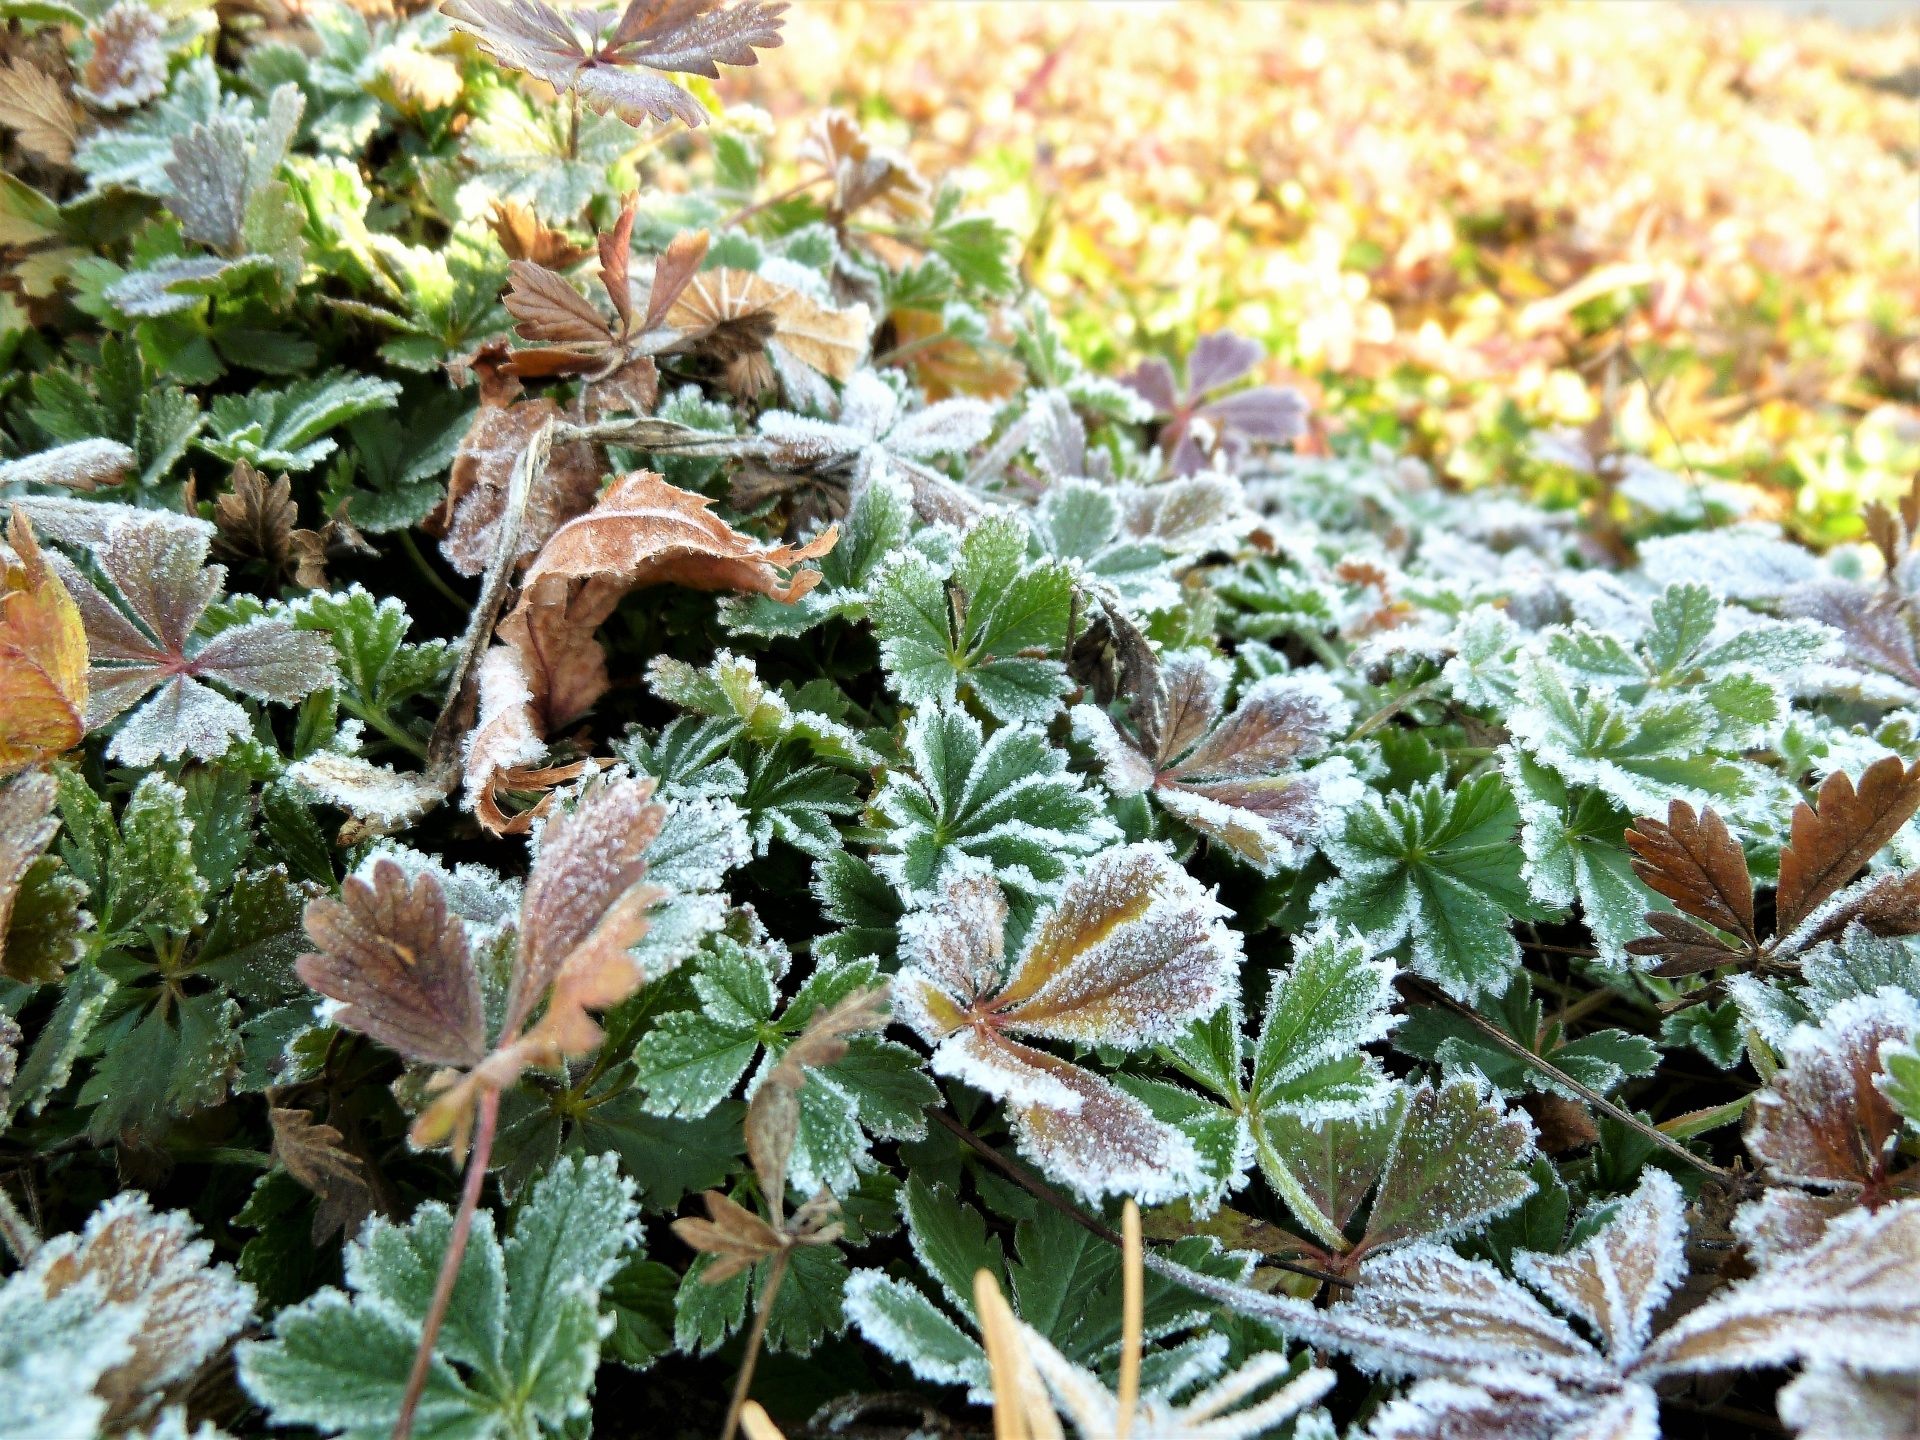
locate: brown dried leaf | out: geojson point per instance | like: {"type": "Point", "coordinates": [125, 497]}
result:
{"type": "Point", "coordinates": [862, 175]}
{"type": "Point", "coordinates": [615, 255]}
{"type": "Point", "coordinates": [634, 388]}
{"type": "Point", "coordinates": [397, 961]}
{"type": "Point", "coordinates": [192, 1309]}
{"type": "Point", "coordinates": [27, 827]}
{"type": "Point", "coordinates": [1821, 1120]}
{"type": "Point", "coordinates": [735, 1236]}
{"type": "Point", "coordinates": [315, 1156]}
{"type": "Point", "coordinates": [671, 272]}
{"type": "Point", "coordinates": [128, 66]}
{"type": "Point", "coordinates": [255, 520]}
{"type": "Point", "coordinates": [590, 856]}
{"type": "Point", "coordinates": [1889, 907]}
{"type": "Point", "coordinates": [1697, 864]}
{"type": "Point", "coordinates": [1684, 947]}
{"type": "Point", "coordinates": [524, 236]}
{"type": "Point", "coordinates": [35, 107]}
{"type": "Point", "coordinates": [482, 476]}
{"type": "Point", "coordinates": [43, 657]}
{"type": "Point", "coordinates": [1833, 842]}
{"type": "Point", "coordinates": [551, 311]}
{"type": "Point", "coordinates": [773, 1115]}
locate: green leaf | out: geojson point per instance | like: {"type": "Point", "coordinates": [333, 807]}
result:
{"type": "Point", "coordinates": [1332, 1000]}
{"type": "Point", "coordinates": [640, 1295]}
{"type": "Point", "coordinates": [1008, 802]}
{"type": "Point", "coordinates": [951, 1241]}
{"type": "Point", "coordinates": [1900, 1080]}
{"type": "Point", "coordinates": [522, 1337]}
{"type": "Point", "coordinates": [972, 627]}
{"type": "Point", "coordinates": [61, 1041]}
{"type": "Point", "coordinates": [287, 429]}
{"type": "Point", "coordinates": [1440, 870]}
{"type": "Point", "coordinates": [155, 881]}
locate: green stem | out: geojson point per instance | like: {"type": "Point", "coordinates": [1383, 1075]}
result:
{"type": "Point", "coordinates": [1288, 1187]}
{"type": "Point", "coordinates": [1394, 706]}
{"type": "Point", "coordinates": [380, 721]}
{"type": "Point", "coordinates": [433, 576]}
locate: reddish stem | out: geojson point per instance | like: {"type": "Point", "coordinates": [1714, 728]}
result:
{"type": "Point", "coordinates": [450, 1265]}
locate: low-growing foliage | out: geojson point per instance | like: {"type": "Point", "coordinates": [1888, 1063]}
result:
{"type": "Point", "coordinates": [614, 773]}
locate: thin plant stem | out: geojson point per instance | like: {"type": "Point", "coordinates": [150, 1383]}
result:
{"type": "Point", "coordinates": [433, 576]}
{"type": "Point", "coordinates": [1132, 1311]}
{"type": "Point", "coordinates": [450, 1266]}
{"type": "Point", "coordinates": [776, 1272]}
{"type": "Point", "coordinates": [17, 1230]}
{"type": "Point", "coordinates": [1507, 1043]}
{"type": "Point", "coordinates": [1393, 707]}
{"type": "Point", "coordinates": [749, 211]}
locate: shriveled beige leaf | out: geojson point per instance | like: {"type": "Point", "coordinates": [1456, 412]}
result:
{"type": "Point", "coordinates": [35, 107]}
{"type": "Point", "coordinates": [315, 1156]}
{"type": "Point", "coordinates": [497, 439]}
{"type": "Point", "coordinates": [861, 174]}
{"type": "Point", "coordinates": [773, 1115]}
{"type": "Point", "coordinates": [733, 315]}
{"type": "Point", "coordinates": [524, 236]}
{"type": "Point", "coordinates": [427, 82]}
{"type": "Point", "coordinates": [153, 1261]}
{"type": "Point", "coordinates": [735, 1236]}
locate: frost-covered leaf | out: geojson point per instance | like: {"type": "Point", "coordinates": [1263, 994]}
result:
{"type": "Point", "coordinates": [1237, 780]}
{"type": "Point", "coordinates": [523, 1334]}
{"type": "Point", "coordinates": [1334, 999]}
{"type": "Point", "coordinates": [1132, 950]}
{"type": "Point", "coordinates": [396, 963]}
{"type": "Point", "coordinates": [1439, 869]}
{"type": "Point", "coordinates": [731, 689]}
{"type": "Point", "coordinates": [128, 66]}
{"type": "Point", "coordinates": [988, 625]}
{"type": "Point", "coordinates": [1822, 1121]}
{"type": "Point", "coordinates": [287, 429]}
{"type": "Point", "coordinates": [1008, 803]}
{"type": "Point", "coordinates": [186, 1308]}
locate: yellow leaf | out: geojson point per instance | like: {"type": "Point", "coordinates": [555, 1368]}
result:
{"type": "Point", "coordinates": [43, 658]}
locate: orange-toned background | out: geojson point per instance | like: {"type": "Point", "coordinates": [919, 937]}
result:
{"type": "Point", "coordinates": [1446, 216]}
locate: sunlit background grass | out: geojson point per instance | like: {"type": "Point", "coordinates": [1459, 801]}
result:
{"type": "Point", "coordinates": [1452, 223]}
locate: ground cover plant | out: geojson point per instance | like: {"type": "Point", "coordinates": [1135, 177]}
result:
{"type": "Point", "coordinates": [633, 802]}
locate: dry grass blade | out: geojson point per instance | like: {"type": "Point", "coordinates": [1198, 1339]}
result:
{"type": "Point", "coordinates": [1021, 1408]}
{"type": "Point", "coordinates": [1835, 838]}
{"type": "Point", "coordinates": [1697, 864]}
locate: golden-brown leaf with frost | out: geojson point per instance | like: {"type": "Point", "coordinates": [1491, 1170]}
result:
{"type": "Point", "coordinates": [43, 657]}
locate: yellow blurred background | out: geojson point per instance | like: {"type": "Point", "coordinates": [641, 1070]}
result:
{"type": "Point", "coordinates": [1452, 222]}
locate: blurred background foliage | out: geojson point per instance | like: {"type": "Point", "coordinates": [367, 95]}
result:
{"type": "Point", "coordinates": [1453, 224]}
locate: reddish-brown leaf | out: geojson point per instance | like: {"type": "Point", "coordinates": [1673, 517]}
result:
{"type": "Point", "coordinates": [614, 257]}
{"type": "Point", "coordinates": [1684, 947]}
{"type": "Point", "coordinates": [671, 272]}
{"type": "Point", "coordinates": [254, 520]}
{"type": "Point", "coordinates": [1821, 1120]}
{"type": "Point", "coordinates": [524, 236]}
{"type": "Point", "coordinates": [397, 961]}
{"type": "Point", "coordinates": [1833, 842]}
{"type": "Point", "coordinates": [1697, 864]}
{"type": "Point", "coordinates": [1889, 907]}
{"type": "Point", "coordinates": [551, 311]}
{"type": "Point", "coordinates": [589, 857]}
